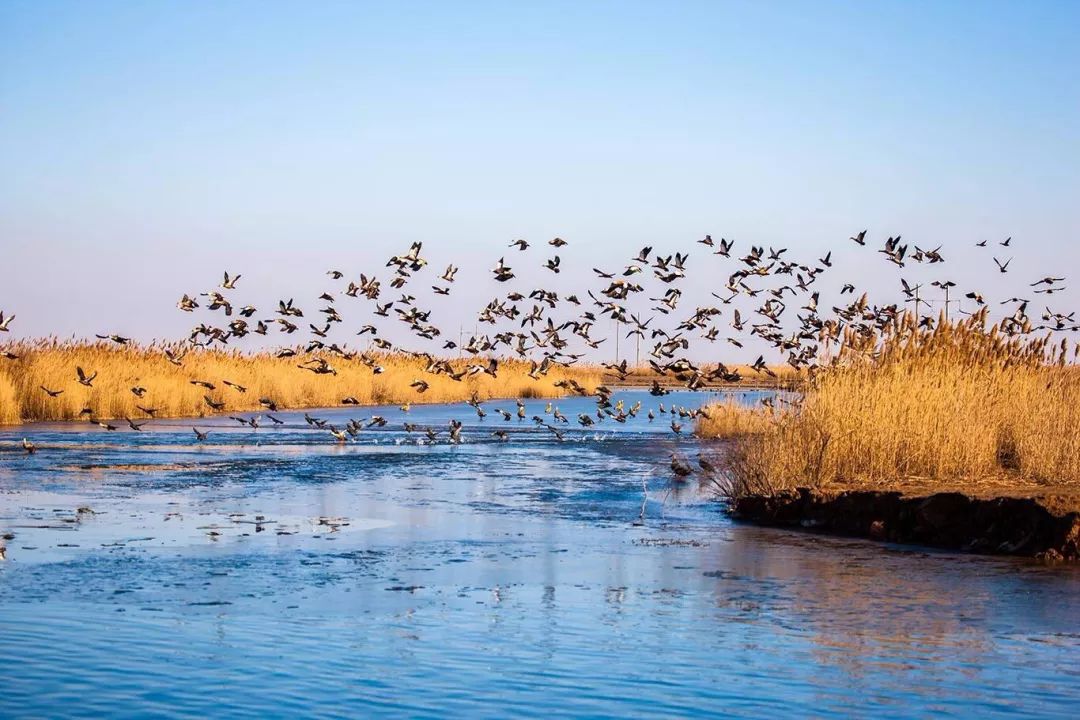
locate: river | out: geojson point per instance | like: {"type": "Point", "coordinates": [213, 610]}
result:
{"type": "Point", "coordinates": [276, 572]}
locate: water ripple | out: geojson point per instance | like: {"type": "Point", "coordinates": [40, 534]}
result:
{"type": "Point", "coordinates": [277, 573]}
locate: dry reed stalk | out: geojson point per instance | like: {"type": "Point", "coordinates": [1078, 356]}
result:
{"type": "Point", "coordinates": [51, 363]}
{"type": "Point", "coordinates": [731, 420]}
{"type": "Point", "coordinates": [783, 377]}
{"type": "Point", "coordinates": [958, 402]}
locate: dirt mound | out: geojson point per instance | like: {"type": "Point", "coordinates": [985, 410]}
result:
{"type": "Point", "coordinates": [1047, 528]}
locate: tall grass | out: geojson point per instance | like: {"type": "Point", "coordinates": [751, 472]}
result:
{"type": "Point", "coordinates": [961, 401]}
{"type": "Point", "coordinates": [732, 420]}
{"type": "Point", "coordinates": [780, 377]}
{"type": "Point", "coordinates": [53, 363]}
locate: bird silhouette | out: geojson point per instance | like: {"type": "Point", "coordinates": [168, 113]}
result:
{"type": "Point", "coordinates": [83, 378]}
{"type": "Point", "coordinates": [680, 467]}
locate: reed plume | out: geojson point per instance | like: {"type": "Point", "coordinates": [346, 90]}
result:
{"type": "Point", "coordinates": [52, 364]}
{"type": "Point", "coordinates": [959, 401]}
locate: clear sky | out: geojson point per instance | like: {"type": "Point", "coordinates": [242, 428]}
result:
{"type": "Point", "coordinates": [145, 147]}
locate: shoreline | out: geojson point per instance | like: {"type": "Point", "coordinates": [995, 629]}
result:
{"type": "Point", "coordinates": [40, 381]}
{"type": "Point", "coordinates": [670, 384]}
{"type": "Point", "coordinates": [1042, 526]}
{"type": "Point", "coordinates": [261, 410]}
{"type": "Point", "coordinates": [417, 402]}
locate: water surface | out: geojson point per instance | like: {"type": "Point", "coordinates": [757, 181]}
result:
{"type": "Point", "coordinates": [276, 572]}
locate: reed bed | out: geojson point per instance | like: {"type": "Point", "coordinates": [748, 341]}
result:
{"type": "Point", "coordinates": [732, 420]}
{"type": "Point", "coordinates": [959, 402]}
{"type": "Point", "coordinates": [782, 377]}
{"type": "Point", "coordinates": [52, 363]}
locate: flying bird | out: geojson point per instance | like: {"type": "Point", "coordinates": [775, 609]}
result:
{"type": "Point", "coordinates": [502, 271]}
{"type": "Point", "coordinates": [85, 379]}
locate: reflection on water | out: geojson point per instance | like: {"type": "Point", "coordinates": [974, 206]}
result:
{"type": "Point", "coordinates": [275, 572]}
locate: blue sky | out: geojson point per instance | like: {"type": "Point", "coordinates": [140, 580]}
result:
{"type": "Point", "coordinates": [146, 147]}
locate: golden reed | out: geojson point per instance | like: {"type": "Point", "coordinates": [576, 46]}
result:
{"type": "Point", "coordinates": [52, 363]}
{"type": "Point", "coordinates": [960, 401]}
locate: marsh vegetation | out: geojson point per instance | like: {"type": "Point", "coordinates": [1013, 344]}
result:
{"type": "Point", "coordinates": [959, 401]}
{"type": "Point", "coordinates": [132, 378]}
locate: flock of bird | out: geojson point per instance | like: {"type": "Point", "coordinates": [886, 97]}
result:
{"type": "Point", "coordinates": [549, 329]}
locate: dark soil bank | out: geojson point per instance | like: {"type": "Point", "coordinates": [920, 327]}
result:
{"type": "Point", "coordinates": [1044, 528]}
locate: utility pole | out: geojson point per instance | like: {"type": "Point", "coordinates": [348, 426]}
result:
{"type": "Point", "coordinates": [914, 300]}
{"type": "Point", "coordinates": [917, 300]}
{"type": "Point", "coordinates": [946, 286]}
{"type": "Point", "coordinates": [948, 301]}
{"type": "Point", "coordinates": [618, 332]}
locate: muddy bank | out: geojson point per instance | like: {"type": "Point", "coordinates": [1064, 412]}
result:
{"type": "Point", "coordinates": [1047, 528]}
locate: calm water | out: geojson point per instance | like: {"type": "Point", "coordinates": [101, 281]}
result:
{"type": "Point", "coordinates": [274, 572]}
